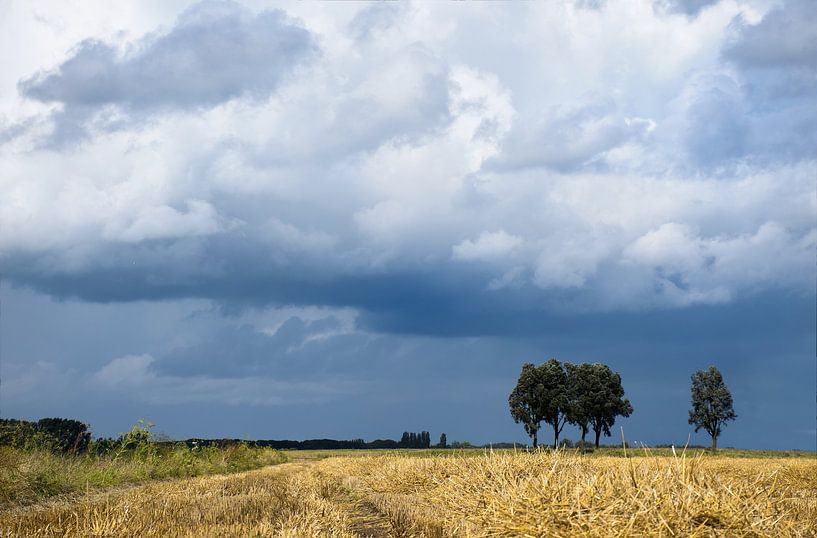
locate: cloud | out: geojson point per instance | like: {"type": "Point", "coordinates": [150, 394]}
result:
{"type": "Point", "coordinates": [110, 364]}
{"type": "Point", "coordinates": [129, 370]}
{"type": "Point", "coordinates": [345, 206]}
{"type": "Point", "coordinates": [761, 111]}
{"type": "Point", "coordinates": [374, 19]}
{"type": "Point", "coordinates": [216, 51]}
{"type": "Point", "coordinates": [136, 376]}
{"type": "Point", "coordinates": [690, 8]}
{"type": "Point", "coordinates": [697, 269]}
{"type": "Point", "coordinates": [412, 181]}
{"type": "Point", "coordinates": [488, 246]}
{"type": "Point", "coordinates": [566, 140]}
{"type": "Point", "coordinates": [785, 37]}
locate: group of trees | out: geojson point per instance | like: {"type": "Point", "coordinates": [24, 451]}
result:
{"type": "Point", "coordinates": [415, 440]}
{"type": "Point", "coordinates": [56, 434]}
{"type": "Point", "coordinates": [590, 396]}
{"type": "Point", "coordinates": [587, 395]}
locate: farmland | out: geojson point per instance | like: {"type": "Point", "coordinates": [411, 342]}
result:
{"type": "Point", "coordinates": [455, 493]}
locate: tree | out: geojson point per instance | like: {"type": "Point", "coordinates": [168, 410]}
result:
{"type": "Point", "coordinates": [69, 435]}
{"type": "Point", "coordinates": [596, 398]}
{"type": "Point", "coordinates": [582, 386]}
{"type": "Point", "coordinates": [555, 401]}
{"type": "Point", "coordinates": [711, 403]}
{"type": "Point", "coordinates": [540, 395]}
{"type": "Point", "coordinates": [525, 401]}
{"type": "Point", "coordinates": [443, 441]}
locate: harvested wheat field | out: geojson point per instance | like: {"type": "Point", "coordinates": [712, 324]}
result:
{"type": "Point", "coordinates": [496, 494]}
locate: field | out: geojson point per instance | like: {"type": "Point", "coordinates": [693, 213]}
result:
{"type": "Point", "coordinates": [471, 493]}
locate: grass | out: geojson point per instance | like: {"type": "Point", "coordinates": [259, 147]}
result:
{"type": "Point", "coordinates": [28, 476]}
{"type": "Point", "coordinates": [468, 493]}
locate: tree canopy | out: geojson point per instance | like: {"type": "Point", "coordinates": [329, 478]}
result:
{"type": "Point", "coordinates": [540, 396]}
{"type": "Point", "coordinates": [587, 395]}
{"type": "Point", "coordinates": [525, 401]}
{"type": "Point", "coordinates": [596, 398]}
{"type": "Point", "coordinates": [711, 403]}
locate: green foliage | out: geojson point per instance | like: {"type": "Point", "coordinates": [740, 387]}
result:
{"type": "Point", "coordinates": [596, 398]}
{"type": "Point", "coordinates": [137, 443]}
{"type": "Point", "coordinates": [711, 403]}
{"type": "Point", "coordinates": [443, 441]}
{"type": "Point", "coordinates": [68, 435]}
{"type": "Point", "coordinates": [541, 395]}
{"type": "Point", "coordinates": [55, 434]}
{"type": "Point", "coordinates": [588, 395]}
{"type": "Point", "coordinates": [556, 402]}
{"type": "Point", "coordinates": [525, 401]}
{"type": "Point", "coordinates": [414, 440]}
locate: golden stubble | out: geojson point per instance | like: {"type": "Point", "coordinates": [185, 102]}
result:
{"type": "Point", "coordinates": [506, 494]}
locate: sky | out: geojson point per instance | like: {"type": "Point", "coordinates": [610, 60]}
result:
{"type": "Point", "coordinates": [350, 220]}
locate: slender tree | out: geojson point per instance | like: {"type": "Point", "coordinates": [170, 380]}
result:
{"type": "Point", "coordinates": [555, 401]}
{"type": "Point", "coordinates": [605, 400]}
{"type": "Point", "coordinates": [525, 401]}
{"type": "Point", "coordinates": [443, 441]}
{"type": "Point", "coordinates": [583, 387]}
{"type": "Point", "coordinates": [711, 403]}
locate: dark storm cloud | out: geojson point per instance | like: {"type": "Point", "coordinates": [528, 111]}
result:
{"type": "Point", "coordinates": [216, 51]}
{"type": "Point", "coordinates": [764, 347]}
{"type": "Point", "coordinates": [294, 350]}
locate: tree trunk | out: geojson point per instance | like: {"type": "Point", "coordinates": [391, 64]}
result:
{"type": "Point", "coordinates": [584, 434]}
{"type": "Point", "coordinates": [535, 439]}
{"type": "Point", "coordinates": [598, 434]}
{"type": "Point", "coordinates": [555, 436]}
{"type": "Point", "coordinates": [714, 443]}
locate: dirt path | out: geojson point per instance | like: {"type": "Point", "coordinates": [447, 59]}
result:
{"type": "Point", "coordinates": [287, 500]}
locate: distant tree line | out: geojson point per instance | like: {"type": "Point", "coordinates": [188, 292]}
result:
{"type": "Point", "coordinates": [408, 440]}
{"type": "Point", "coordinates": [415, 440]}
{"type": "Point", "coordinates": [68, 435]}
{"type": "Point", "coordinates": [56, 434]}
{"type": "Point", "coordinates": [308, 444]}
